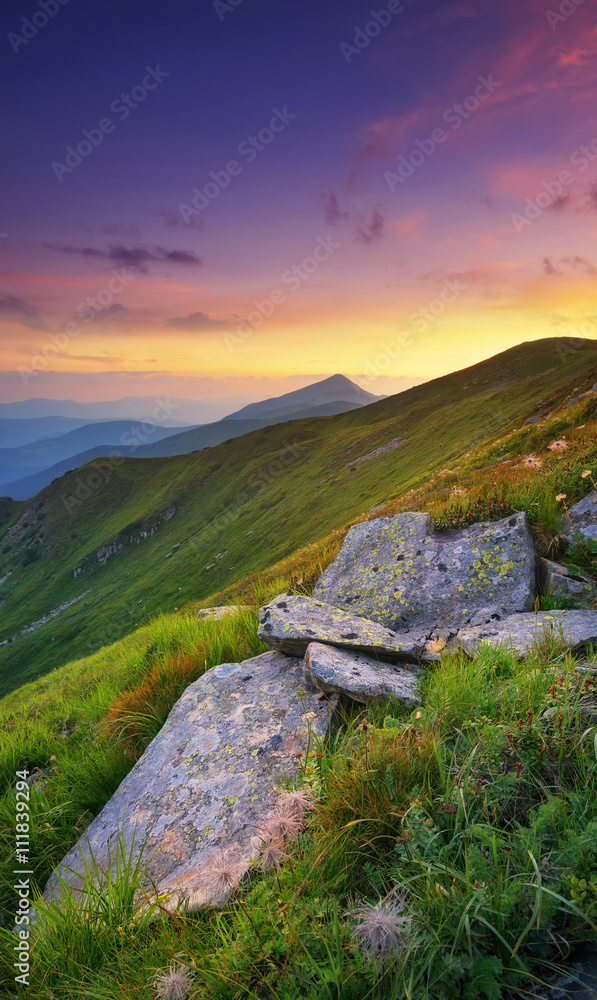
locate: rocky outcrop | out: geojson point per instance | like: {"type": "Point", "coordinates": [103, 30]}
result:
{"type": "Point", "coordinates": [360, 677]}
{"type": "Point", "coordinates": [399, 572]}
{"type": "Point", "coordinates": [578, 629]}
{"type": "Point", "coordinates": [115, 548]}
{"type": "Point", "coordinates": [207, 778]}
{"type": "Point", "coordinates": [291, 623]}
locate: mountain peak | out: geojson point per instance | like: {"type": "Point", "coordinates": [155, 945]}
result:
{"type": "Point", "coordinates": [329, 390]}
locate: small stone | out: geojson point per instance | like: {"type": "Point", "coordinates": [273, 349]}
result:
{"type": "Point", "coordinates": [338, 671]}
{"type": "Point", "coordinates": [218, 613]}
{"type": "Point", "coordinates": [582, 520]}
{"type": "Point", "coordinates": [555, 580]}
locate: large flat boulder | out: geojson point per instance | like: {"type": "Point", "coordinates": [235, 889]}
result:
{"type": "Point", "coordinates": [291, 623]}
{"type": "Point", "coordinates": [361, 677]}
{"type": "Point", "coordinates": [400, 572]}
{"type": "Point", "coordinates": [582, 523]}
{"type": "Point", "coordinates": [578, 629]}
{"type": "Point", "coordinates": [208, 777]}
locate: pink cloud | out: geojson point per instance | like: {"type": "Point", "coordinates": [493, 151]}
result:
{"type": "Point", "coordinates": [520, 180]}
{"type": "Point", "coordinates": [410, 225]}
{"type": "Point", "coordinates": [539, 73]}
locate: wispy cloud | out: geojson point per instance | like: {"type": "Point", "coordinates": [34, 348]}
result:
{"type": "Point", "coordinates": [570, 263]}
{"type": "Point", "coordinates": [408, 225]}
{"type": "Point", "coordinates": [175, 220]}
{"type": "Point", "coordinates": [370, 230]}
{"type": "Point", "coordinates": [332, 212]}
{"type": "Point", "coordinates": [199, 322]}
{"type": "Point", "coordinates": [19, 311]}
{"type": "Point", "coordinates": [136, 257]}
{"type": "Point", "coordinates": [537, 72]}
{"type": "Point", "coordinates": [126, 230]}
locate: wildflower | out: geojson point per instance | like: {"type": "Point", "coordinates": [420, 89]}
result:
{"type": "Point", "coordinates": [382, 929]}
{"type": "Point", "coordinates": [175, 983]}
{"type": "Point", "coordinates": [561, 496]}
{"type": "Point", "coordinates": [224, 871]}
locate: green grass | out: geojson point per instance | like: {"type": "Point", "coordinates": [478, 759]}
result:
{"type": "Point", "coordinates": [253, 502]}
{"type": "Point", "coordinates": [480, 809]}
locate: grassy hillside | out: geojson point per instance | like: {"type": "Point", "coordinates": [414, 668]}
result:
{"type": "Point", "coordinates": [174, 530]}
{"type": "Point", "coordinates": [474, 818]}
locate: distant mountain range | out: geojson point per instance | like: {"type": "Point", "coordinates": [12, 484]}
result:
{"type": "Point", "coordinates": [26, 470]}
{"type": "Point", "coordinates": [187, 411]}
{"type": "Point", "coordinates": [16, 432]}
{"type": "Point", "coordinates": [33, 458]}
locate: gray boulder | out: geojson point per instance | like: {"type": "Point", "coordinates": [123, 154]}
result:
{"type": "Point", "coordinates": [291, 623]}
{"type": "Point", "coordinates": [217, 613]}
{"type": "Point", "coordinates": [578, 629]}
{"type": "Point", "coordinates": [207, 778]}
{"type": "Point", "coordinates": [360, 677]}
{"type": "Point", "coordinates": [582, 522]}
{"type": "Point", "coordinates": [399, 572]}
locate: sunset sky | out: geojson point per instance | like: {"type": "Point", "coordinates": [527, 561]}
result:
{"type": "Point", "coordinates": [429, 171]}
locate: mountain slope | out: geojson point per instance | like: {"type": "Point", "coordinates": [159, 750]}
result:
{"type": "Point", "coordinates": [153, 535]}
{"type": "Point", "coordinates": [172, 443]}
{"type": "Point", "coordinates": [175, 443]}
{"type": "Point", "coordinates": [183, 411]}
{"type": "Point", "coordinates": [17, 433]}
{"type": "Point", "coordinates": [329, 390]}
{"type": "Point", "coordinates": [18, 462]}
{"type": "Point", "coordinates": [212, 434]}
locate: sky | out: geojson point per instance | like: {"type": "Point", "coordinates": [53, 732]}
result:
{"type": "Point", "coordinates": [226, 201]}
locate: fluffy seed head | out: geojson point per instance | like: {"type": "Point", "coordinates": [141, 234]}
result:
{"type": "Point", "coordinates": [299, 801]}
{"type": "Point", "coordinates": [280, 824]}
{"type": "Point", "coordinates": [224, 871]}
{"type": "Point", "coordinates": [382, 928]}
{"type": "Point", "coordinates": [174, 983]}
{"type": "Point", "coordinates": [272, 850]}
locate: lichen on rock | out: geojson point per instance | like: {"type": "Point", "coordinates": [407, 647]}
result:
{"type": "Point", "coordinates": [207, 778]}
{"type": "Point", "coordinates": [400, 573]}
